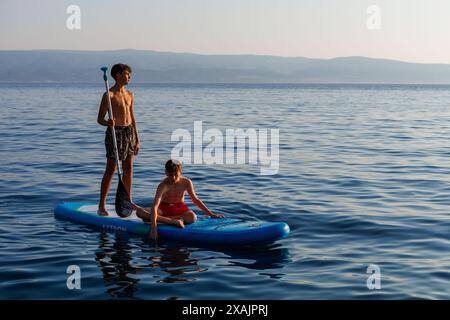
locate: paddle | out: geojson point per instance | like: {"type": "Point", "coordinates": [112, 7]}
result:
{"type": "Point", "coordinates": [123, 202]}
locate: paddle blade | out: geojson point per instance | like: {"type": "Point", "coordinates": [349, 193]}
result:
{"type": "Point", "coordinates": [123, 201]}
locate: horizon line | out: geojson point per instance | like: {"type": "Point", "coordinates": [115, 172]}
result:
{"type": "Point", "coordinates": [446, 84]}
{"type": "Point", "coordinates": [228, 54]}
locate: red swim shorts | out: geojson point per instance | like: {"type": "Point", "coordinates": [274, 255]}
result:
{"type": "Point", "coordinates": [173, 209]}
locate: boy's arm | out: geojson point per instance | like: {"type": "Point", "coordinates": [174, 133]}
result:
{"type": "Point", "coordinates": [198, 202]}
{"type": "Point", "coordinates": [134, 123]}
{"type": "Point", "coordinates": [154, 211]}
{"type": "Point", "coordinates": [102, 112]}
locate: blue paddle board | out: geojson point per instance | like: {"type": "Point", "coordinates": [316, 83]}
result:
{"type": "Point", "coordinates": [206, 230]}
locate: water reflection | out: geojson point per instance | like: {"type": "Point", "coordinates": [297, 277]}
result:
{"type": "Point", "coordinates": [114, 259]}
{"type": "Point", "coordinates": [177, 262]}
{"type": "Point", "coordinates": [125, 262]}
{"type": "Point", "coordinates": [260, 257]}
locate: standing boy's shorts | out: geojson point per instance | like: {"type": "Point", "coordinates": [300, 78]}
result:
{"type": "Point", "coordinates": [126, 142]}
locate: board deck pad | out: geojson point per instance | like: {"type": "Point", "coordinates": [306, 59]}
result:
{"type": "Point", "coordinates": [206, 230]}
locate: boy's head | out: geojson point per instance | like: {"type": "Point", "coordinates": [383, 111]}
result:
{"type": "Point", "coordinates": [173, 170]}
{"type": "Point", "coordinates": [121, 73]}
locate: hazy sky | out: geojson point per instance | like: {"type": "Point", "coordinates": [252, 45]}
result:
{"type": "Point", "coordinates": [410, 30]}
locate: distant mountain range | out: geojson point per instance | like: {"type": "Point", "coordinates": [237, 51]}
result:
{"type": "Point", "coordinates": [166, 67]}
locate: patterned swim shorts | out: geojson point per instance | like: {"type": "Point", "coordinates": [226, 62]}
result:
{"type": "Point", "coordinates": [126, 142]}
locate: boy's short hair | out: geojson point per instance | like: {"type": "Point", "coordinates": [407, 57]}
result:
{"type": "Point", "coordinates": [119, 68]}
{"type": "Point", "coordinates": [173, 166]}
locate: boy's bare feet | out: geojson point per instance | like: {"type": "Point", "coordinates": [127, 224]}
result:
{"type": "Point", "coordinates": [179, 223]}
{"type": "Point", "coordinates": [102, 212]}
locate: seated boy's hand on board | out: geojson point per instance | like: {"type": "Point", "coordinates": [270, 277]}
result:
{"type": "Point", "coordinates": [216, 216]}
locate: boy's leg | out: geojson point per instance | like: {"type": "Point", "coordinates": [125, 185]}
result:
{"type": "Point", "coordinates": [143, 214]}
{"type": "Point", "coordinates": [127, 167]}
{"type": "Point", "coordinates": [172, 220]}
{"type": "Point", "coordinates": [106, 185]}
{"type": "Point", "coordinates": [146, 216]}
{"type": "Point", "coordinates": [187, 217]}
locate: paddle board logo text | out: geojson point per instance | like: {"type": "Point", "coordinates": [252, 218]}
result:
{"type": "Point", "coordinates": [108, 227]}
{"type": "Point", "coordinates": [236, 147]}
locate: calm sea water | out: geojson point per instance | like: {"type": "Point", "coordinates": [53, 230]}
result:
{"type": "Point", "coordinates": [364, 179]}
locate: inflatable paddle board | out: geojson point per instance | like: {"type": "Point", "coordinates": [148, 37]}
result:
{"type": "Point", "coordinates": [206, 230]}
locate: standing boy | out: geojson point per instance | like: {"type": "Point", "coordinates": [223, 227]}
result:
{"type": "Point", "coordinates": [124, 122]}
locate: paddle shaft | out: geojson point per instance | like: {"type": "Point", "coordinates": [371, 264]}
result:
{"type": "Point", "coordinates": [111, 116]}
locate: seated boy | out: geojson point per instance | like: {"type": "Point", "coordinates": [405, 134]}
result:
{"type": "Point", "coordinates": [168, 204]}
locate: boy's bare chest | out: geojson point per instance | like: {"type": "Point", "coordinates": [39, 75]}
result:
{"type": "Point", "coordinates": [175, 191]}
{"type": "Point", "coordinates": [121, 101]}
